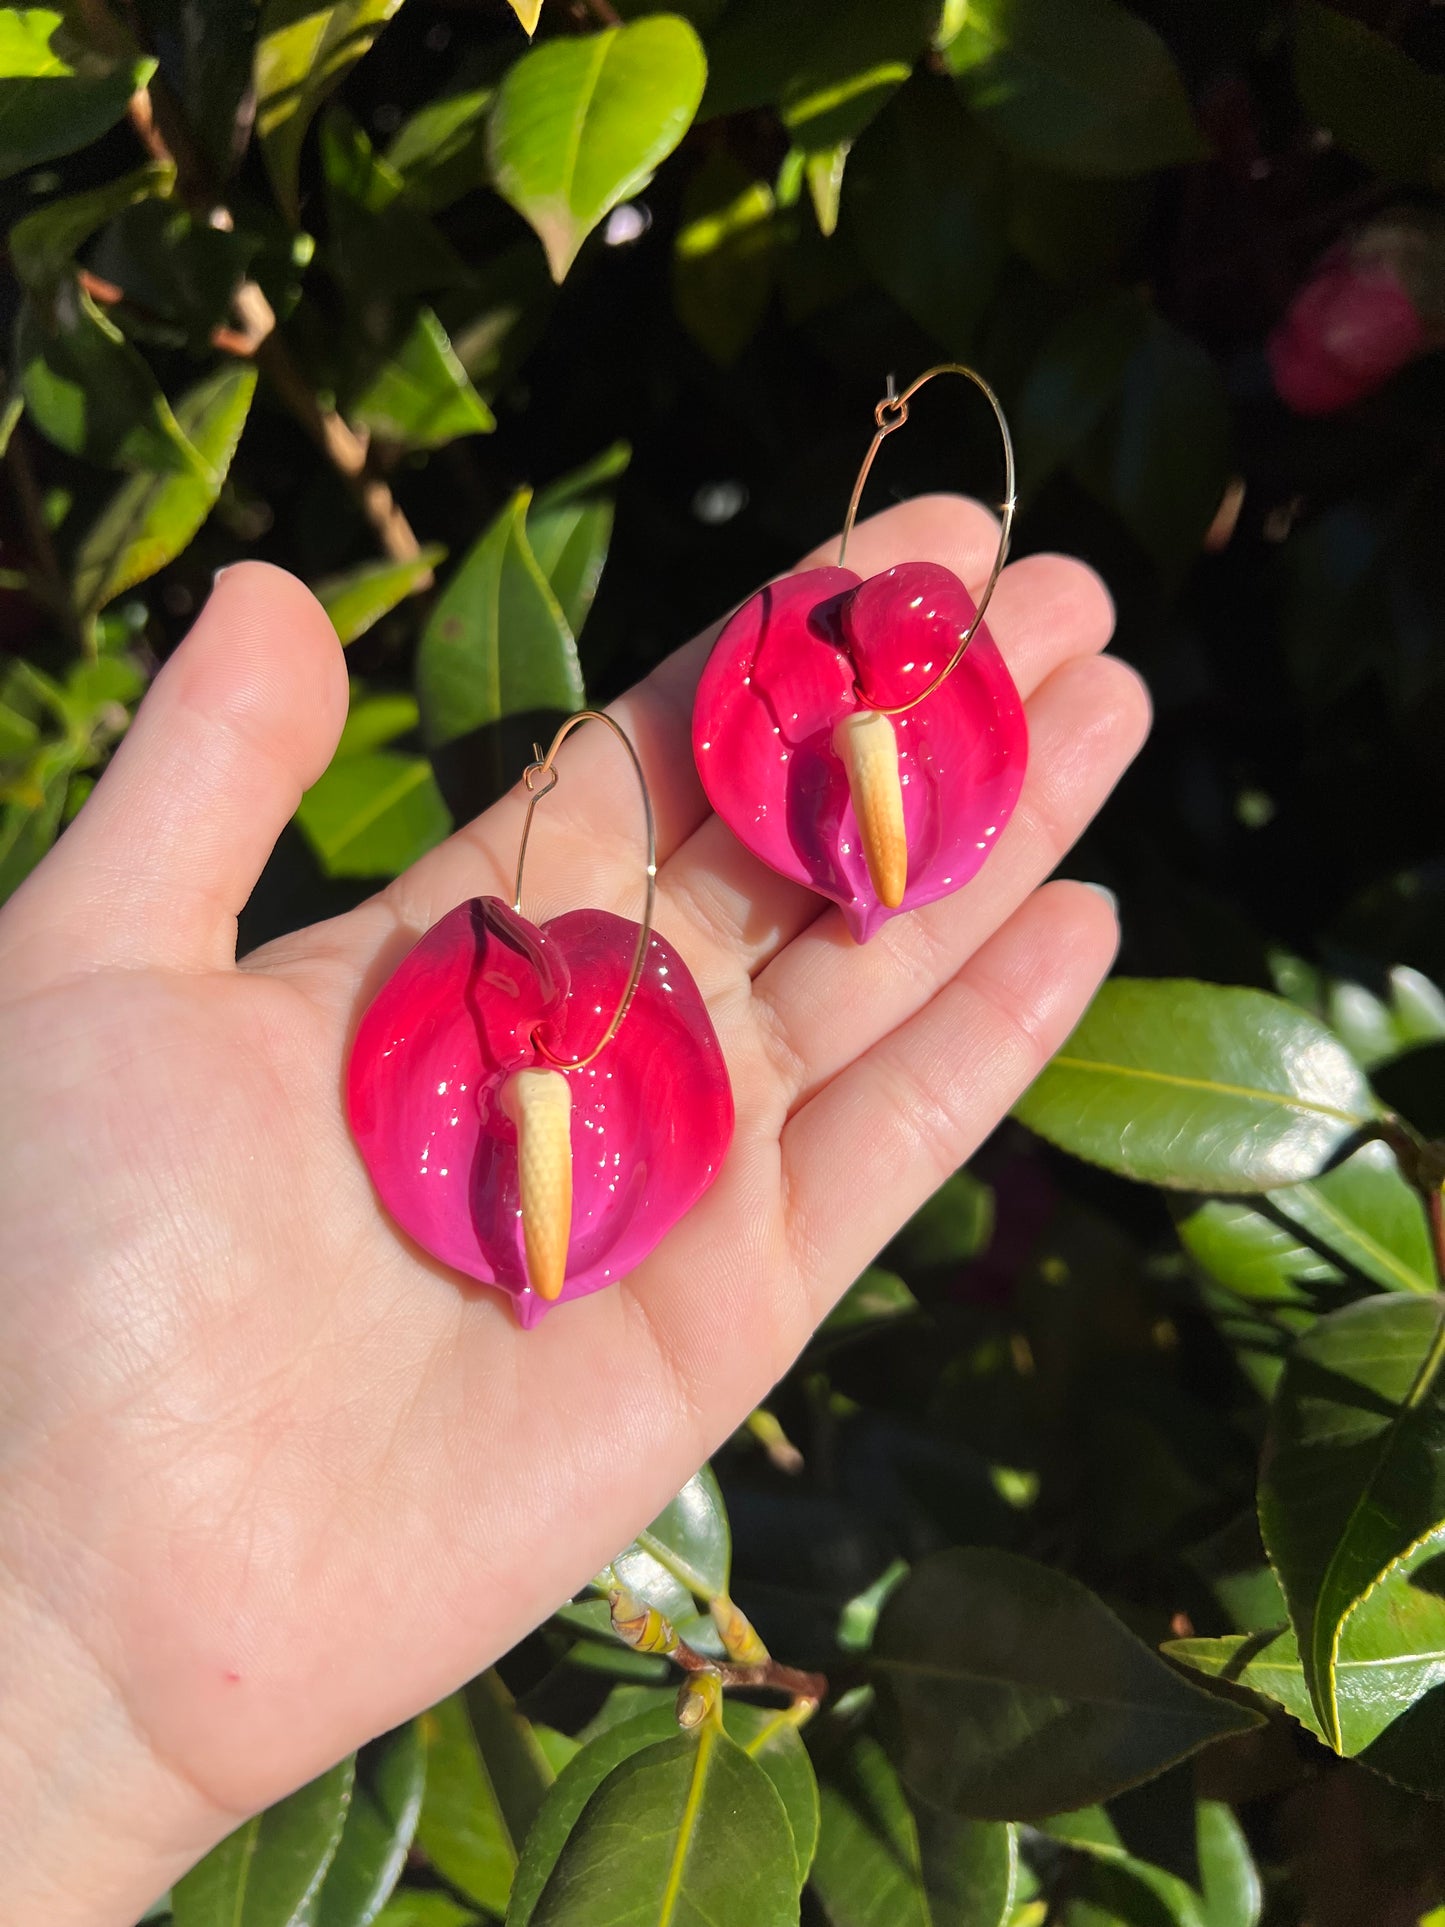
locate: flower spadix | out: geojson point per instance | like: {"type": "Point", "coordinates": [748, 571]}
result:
{"type": "Point", "coordinates": [546, 1181]}
{"type": "Point", "coordinates": [813, 748]}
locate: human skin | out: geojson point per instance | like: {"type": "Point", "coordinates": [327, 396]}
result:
{"type": "Point", "coordinates": [272, 1479]}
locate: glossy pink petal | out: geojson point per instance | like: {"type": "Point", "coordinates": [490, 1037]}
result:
{"type": "Point", "coordinates": [651, 1117]}
{"type": "Point", "coordinates": [783, 674]}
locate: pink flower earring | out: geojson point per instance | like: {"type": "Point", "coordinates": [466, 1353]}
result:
{"type": "Point", "coordinates": [538, 1105]}
{"type": "Point", "coordinates": [865, 737]}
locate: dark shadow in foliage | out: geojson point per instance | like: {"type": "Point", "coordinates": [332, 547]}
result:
{"type": "Point", "coordinates": [473, 771]}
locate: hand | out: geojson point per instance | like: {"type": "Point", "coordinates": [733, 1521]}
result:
{"type": "Point", "coordinates": [273, 1481]}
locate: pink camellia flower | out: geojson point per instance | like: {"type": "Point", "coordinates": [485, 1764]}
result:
{"type": "Point", "coordinates": [786, 673]}
{"type": "Point", "coordinates": [1368, 309]}
{"type": "Point", "coordinates": [467, 1008]}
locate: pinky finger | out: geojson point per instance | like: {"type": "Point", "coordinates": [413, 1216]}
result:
{"type": "Point", "coordinates": [908, 1112]}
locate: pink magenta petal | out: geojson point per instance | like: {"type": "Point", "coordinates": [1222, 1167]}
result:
{"type": "Point", "coordinates": [651, 1117]}
{"type": "Point", "coordinates": [783, 673]}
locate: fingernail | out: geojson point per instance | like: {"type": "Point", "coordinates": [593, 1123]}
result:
{"type": "Point", "coordinates": [1102, 890]}
{"type": "Point", "coordinates": [225, 569]}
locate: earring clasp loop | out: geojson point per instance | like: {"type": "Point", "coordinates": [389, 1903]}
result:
{"type": "Point", "coordinates": [541, 778]}
{"type": "Point", "coordinates": [892, 413]}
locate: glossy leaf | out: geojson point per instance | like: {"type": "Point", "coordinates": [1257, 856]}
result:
{"type": "Point", "coordinates": [1390, 1671]}
{"type": "Point", "coordinates": [827, 86]}
{"type": "Point", "coordinates": [440, 152]}
{"type": "Point", "coordinates": [151, 518]}
{"type": "Point", "coordinates": [87, 389]}
{"type": "Point", "coordinates": [569, 528]}
{"type": "Point", "coordinates": [374, 814]}
{"type": "Point", "coordinates": [1082, 85]}
{"type": "Point", "coordinates": [1200, 1087]}
{"type": "Point", "coordinates": [1224, 1890]}
{"type": "Point", "coordinates": [1354, 1468]}
{"type": "Point", "coordinates": [955, 1225]}
{"type": "Point", "coordinates": [1373, 99]}
{"type": "Point", "coordinates": [43, 245]}
{"type": "Point", "coordinates": [716, 1846]}
{"type": "Point", "coordinates": [724, 257]}
{"type": "Point", "coordinates": [686, 1552]}
{"type": "Point", "coordinates": [880, 1865]}
{"type": "Point", "coordinates": [771, 1737]}
{"type": "Point", "coordinates": [380, 1823]}
{"type": "Point", "coordinates": [268, 1871]}
{"type": "Point", "coordinates": [31, 810]}
{"type": "Point", "coordinates": [60, 87]}
{"type": "Point", "coordinates": [1007, 1690]}
{"type": "Point", "coordinates": [497, 643]}
{"type": "Point", "coordinates": [419, 396]}
{"type": "Point", "coordinates": [303, 51]}
{"type": "Point", "coordinates": [925, 210]}
{"type": "Point", "coordinates": [581, 122]}
{"type": "Point", "coordinates": [1358, 1220]}
{"type": "Point", "coordinates": [383, 244]}
{"type": "Point", "coordinates": [486, 1783]}
{"type": "Point", "coordinates": [362, 596]}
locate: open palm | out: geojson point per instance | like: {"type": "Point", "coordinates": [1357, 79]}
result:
{"type": "Point", "coordinates": [274, 1480]}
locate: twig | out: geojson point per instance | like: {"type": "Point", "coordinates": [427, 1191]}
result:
{"type": "Point", "coordinates": [240, 342]}
{"type": "Point", "coordinates": [798, 1685]}
{"type": "Point", "coordinates": [161, 128]}
{"type": "Point", "coordinates": [1422, 1166]}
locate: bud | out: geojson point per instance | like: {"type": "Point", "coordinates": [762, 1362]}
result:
{"type": "Point", "coordinates": [735, 1629]}
{"type": "Point", "coordinates": [640, 1626]}
{"type": "Point", "coordinates": [698, 1698]}
{"type": "Point", "coordinates": [1370, 306]}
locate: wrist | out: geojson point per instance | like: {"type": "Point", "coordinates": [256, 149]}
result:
{"type": "Point", "coordinates": [96, 1826]}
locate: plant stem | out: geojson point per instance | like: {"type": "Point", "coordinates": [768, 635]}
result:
{"type": "Point", "coordinates": [1422, 1166]}
{"type": "Point", "coordinates": [799, 1686]}
{"type": "Point", "coordinates": [161, 128]}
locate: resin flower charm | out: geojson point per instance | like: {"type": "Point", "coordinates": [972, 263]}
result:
{"type": "Point", "coordinates": [799, 755]}
{"type": "Point", "coordinates": [547, 1182]}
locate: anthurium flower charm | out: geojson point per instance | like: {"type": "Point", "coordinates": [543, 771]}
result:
{"type": "Point", "coordinates": [866, 737]}
{"type": "Point", "coordinates": [537, 1106]}
{"type": "Point", "coordinates": [879, 812]}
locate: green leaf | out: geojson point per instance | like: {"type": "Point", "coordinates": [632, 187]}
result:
{"type": "Point", "coordinates": [59, 88]}
{"type": "Point", "coordinates": [569, 528]}
{"type": "Point", "coordinates": [716, 1847]}
{"type": "Point", "coordinates": [925, 210]}
{"type": "Point", "coordinates": [1359, 1220]}
{"type": "Point", "coordinates": [303, 52]}
{"type": "Point", "coordinates": [954, 1226]}
{"type": "Point", "coordinates": [486, 1784]}
{"type": "Point", "coordinates": [685, 1553]}
{"type": "Point", "coordinates": [152, 518]}
{"type": "Point", "coordinates": [497, 643]}
{"type": "Point", "coordinates": [424, 1909]}
{"type": "Point", "coordinates": [1354, 1469]}
{"type": "Point", "coordinates": [43, 244]}
{"type": "Point", "coordinates": [874, 1299]}
{"type": "Point", "coordinates": [362, 596]}
{"type": "Point", "coordinates": [440, 152]}
{"type": "Point", "coordinates": [723, 263]}
{"type": "Point", "coordinates": [373, 721]}
{"type": "Point", "coordinates": [268, 1871]}
{"type": "Point", "coordinates": [1231, 1890]}
{"type": "Point", "coordinates": [382, 244]}
{"type": "Point", "coordinates": [1390, 1672]}
{"type": "Point", "coordinates": [1132, 1889]}
{"type": "Point", "coordinates": [772, 1739]}
{"type": "Point", "coordinates": [826, 85]}
{"type": "Point", "coordinates": [377, 1836]}
{"type": "Point", "coordinates": [879, 1865]}
{"type": "Point", "coordinates": [1378, 104]}
{"type": "Point", "coordinates": [529, 12]}
{"type": "Point", "coordinates": [419, 396]}
{"type": "Point", "coordinates": [1007, 1690]}
{"type": "Point", "coordinates": [1161, 456]}
{"type": "Point", "coordinates": [1072, 384]}
{"type": "Point", "coordinates": [581, 122]}
{"type": "Point", "coordinates": [31, 811]}
{"type": "Point", "coordinates": [88, 391]}
{"type": "Point", "coordinates": [374, 814]}
{"type": "Point", "coordinates": [1199, 1086]}
{"type": "Point", "coordinates": [1082, 85]}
